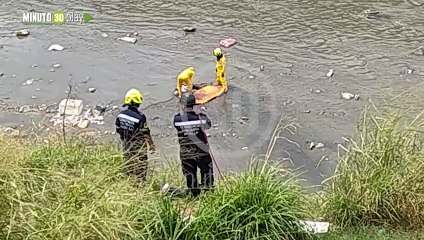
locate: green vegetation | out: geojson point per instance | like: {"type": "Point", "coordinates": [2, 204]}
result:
{"type": "Point", "coordinates": [78, 191]}
{"type": "Point", "coordinates": [380, 179]}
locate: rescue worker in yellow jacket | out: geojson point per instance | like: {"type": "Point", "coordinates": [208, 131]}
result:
{"type": "Point", "coordinates": [186, 78]}
{"type": "Point", "coordinates": [220, 66]}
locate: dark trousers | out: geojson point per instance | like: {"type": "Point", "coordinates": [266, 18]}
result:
{"type": "Point", "coordinates": [135, 162]}
{"type": "Point", "coordinates": [190, 166]}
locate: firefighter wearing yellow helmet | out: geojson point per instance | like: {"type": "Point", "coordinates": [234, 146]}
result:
{"type": "Point", "coordinates": [131, 125]}
{"type": "Point", "coordinates": [220, 66]}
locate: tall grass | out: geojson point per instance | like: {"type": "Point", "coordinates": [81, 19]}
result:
{"type": "Point", "coordinates": [258, 204]}
{"type": "Point", "coordinates": [78, 191]}
{"type": "Point", "coordinates": [380, 180]}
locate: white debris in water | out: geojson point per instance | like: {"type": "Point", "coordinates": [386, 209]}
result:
{"type": "Point", "coordinates": [128, 39]}
{"type": "Point", "coordinates": [52, 70]}
{"type": "Point", "coordinates": [34, 97]}
{"type": "Point", "coordinates": [189, 29]}
{"type": "Point", "coordinates": [244, 148]}
{"type": "Point", "coordinates": [14, 75]}
{"type": "Point", "coordinates": [92, 90]}
{"type": "Point", "coordinates": [349, 96]}
{"type": "Point", "coordinates": [56, 65]}
{"type": "Point", "coordinates": [22, 33]}
{"type": "Point", "coordinates": [320, 145]}
{"type": "Point", "coordinates": [251, 77]}
{"type": "Point", "coordinates": [371, 12]}
{"type": "Point", "coordinates": [81, 121]}
{"type": "Point", "coordinates": [262, 68]}
{"type": "Point", "coordinates": [136, 34]}
{"type": "Point", "coordinates": [56, 47]}
{"type": "Point", "coordinates": [330, 73]}
{"type": "Point", "coordinates": [34, 66]}
{"type": "Point", "coordinates": [311, 145]}
{"type": "Point", "coordinates": [104, 35]}
{"type": "Point", "coordinates": [28, 82]}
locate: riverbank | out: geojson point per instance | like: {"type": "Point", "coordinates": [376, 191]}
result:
{"type": "Point", "coordinates": [51, 189]}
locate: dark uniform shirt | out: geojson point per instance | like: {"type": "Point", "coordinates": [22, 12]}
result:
{"type": "Point", "coordinates": [132, 128]}
{"type": "Point", "coordinates": [191, 135]}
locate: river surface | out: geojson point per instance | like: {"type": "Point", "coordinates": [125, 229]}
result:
{"type": "Point", "coordinates": [297, 42]}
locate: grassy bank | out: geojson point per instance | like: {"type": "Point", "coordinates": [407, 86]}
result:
{"type": "Point", "coordinates": [51, 190]}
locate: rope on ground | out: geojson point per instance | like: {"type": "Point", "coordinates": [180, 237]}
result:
{"type": "Point", "coordinates": [157, 103]}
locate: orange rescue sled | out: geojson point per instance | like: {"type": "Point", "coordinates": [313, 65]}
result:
{"type": "Point", "coordinates": [208, 93]}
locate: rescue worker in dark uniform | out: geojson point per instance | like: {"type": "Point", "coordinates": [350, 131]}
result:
{"type": "Point", "coordinates": [194, 146]}
{"type": "Point", "coordinates": [136, 140]}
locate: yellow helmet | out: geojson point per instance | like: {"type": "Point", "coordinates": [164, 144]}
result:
{"type": "Point", "coordinates": [133, 96]}
{"type": "Point", "coordinates": [217, 52]}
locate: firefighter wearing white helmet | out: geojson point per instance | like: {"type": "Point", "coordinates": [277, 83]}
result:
{"type": "Point", "coordinates": [220, 66]}
{"type": "Point", "coordinates": [131, 125]}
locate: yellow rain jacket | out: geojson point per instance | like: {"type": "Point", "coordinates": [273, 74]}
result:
{"type": "Point", "coordinates": [220, 72]}
{"type": "Point", "coordinates": [185, 78]}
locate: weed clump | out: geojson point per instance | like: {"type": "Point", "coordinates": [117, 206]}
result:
{"type": "Point", "coordinates": [380, 180]}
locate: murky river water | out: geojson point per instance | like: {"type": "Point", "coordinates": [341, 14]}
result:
{"type": "Point", "coordinates": [297, 41]}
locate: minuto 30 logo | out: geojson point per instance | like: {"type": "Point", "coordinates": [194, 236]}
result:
{"type": "Point", "coordinates": [58, 17]}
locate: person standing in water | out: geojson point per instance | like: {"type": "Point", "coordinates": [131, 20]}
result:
{"type": "Point", "coordinates": [220, 68]}
{"type": "Point", "coordinates": [185, 78]}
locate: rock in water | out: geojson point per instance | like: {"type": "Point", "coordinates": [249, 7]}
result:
{"type": "Point", "coordinates": [92, 90]}
{"type": "Point", "coordinates": [22, 33]}
{"type": "Point", "coordinates": [330, 73]}
{"type": "Point", "coordinates": [73, 107]}
{"type": "Point", "coordinates": [262, 68]}
{"type": "Point", "coordinates": [371, 12]}
{"type": "Point", "coordinates": [189, 29]}
{"type": "Point", "coordinates": [24, 109]}
{"type": "Point", "coordinates": [56, 47]}
{"type": "Point", "coordinates": [2, 74]}
{"type": "Point", "coordinates": [228, 42]}
{"type": "Point", "coordinates": [128, 39]}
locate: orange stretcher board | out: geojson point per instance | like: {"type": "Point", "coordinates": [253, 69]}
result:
{"type": "Point", "coordinates": [208, 93]}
